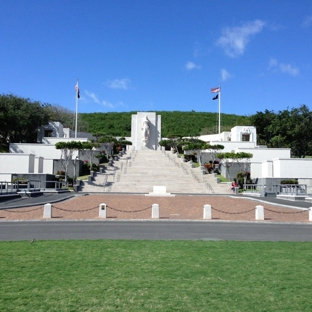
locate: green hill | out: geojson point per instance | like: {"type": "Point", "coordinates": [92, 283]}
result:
{"type": "Point", "coordinates": [172, 123]}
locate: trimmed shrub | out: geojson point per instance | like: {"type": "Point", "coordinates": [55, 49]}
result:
{"type": "Point", "coordinates": [289, 181]}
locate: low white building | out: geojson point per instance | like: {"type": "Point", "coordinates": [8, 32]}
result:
{"type": "Point", "coordinates": [38, 157]}
{"type": "Point", "coordinates": [266, 162]}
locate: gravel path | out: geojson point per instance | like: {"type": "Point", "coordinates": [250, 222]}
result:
{"type": "Point", "coordinates": [226, 208]}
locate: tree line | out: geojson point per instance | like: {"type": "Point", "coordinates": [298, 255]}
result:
{"type": "Point", "coordinates": [20, 119]}
{"type": "Point", "coordinates": [289, 128]}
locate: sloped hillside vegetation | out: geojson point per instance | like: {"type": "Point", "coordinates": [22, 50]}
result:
{"type": "Point", "coordinates": [172, 123]}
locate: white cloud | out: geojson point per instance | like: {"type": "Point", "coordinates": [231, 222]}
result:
{"type": "Point", "coordinates": [190, 65]}
{"type": "Point", "coordinates": [234, 40]}
{"type": "Point", "coordinates": [104, 103]}
{"type": "Point", "coordinates": [225, 74]}
{"type": "Point", "coordinates": [107, 104]}
{"type": "Point", "coordinates": [307, 22]}
{"type": "Point", "coordinates": [118, 83]}
{"type": "Point", "coordinates": [272, 63]}
{"type": "Point", "coordinates": [283, 68]}
{"type": "Point", "coordinates": [93, 97]}
{"type": "Point", "coordinates": [289, 69]}
{"type": "Point", "coordinates": [111, 105]}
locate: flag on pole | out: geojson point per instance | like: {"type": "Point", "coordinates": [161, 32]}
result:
{"type": "Point", "coordinates": [215, 90]}
{"type": "Point", "coordinates": [216, 97]}
{"type": "Point", "coordinates": [77, 90]}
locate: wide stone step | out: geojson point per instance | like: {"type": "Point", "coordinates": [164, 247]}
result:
{"type": "Point", "coordinates": [140, 171]}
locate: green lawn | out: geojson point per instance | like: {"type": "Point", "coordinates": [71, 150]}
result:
{"type": "Point", "coordinates": [222, 178]}
{"type": "Point", "coordinates": [107, 275]}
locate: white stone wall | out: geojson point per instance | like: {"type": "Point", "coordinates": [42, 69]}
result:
{"type": "Point", "coordinates": [48, 166]}
{"type": "Point", "coordinates": [261, 154]}
{"type": "Point", "coordinates": [230, 146]}
{"type": "Point", "coordinates": [224, 136]}
{"type": "Point", "coordinates": [292, 168]}
{"type": "Point", "coordinates": [238, 131]}
{"type": "Point", "coordinates": [267, 169]}
{"type": "Point", "coordinates": [255, 170]}
{"type": "Point", "coordinates": [5, 177]}
{"type": "Point", "coordinates": [38, 165]}
{"type": "Point", "coordinates": [47, 151]}
{"type": "Point", "coordinates": [17, 163]}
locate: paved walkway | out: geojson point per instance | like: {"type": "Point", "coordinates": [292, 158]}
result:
{"type": "Point", "coordinates": [138, 207]}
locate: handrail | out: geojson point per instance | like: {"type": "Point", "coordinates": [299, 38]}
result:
{"type": "Point", "coordinates": [30, 186]}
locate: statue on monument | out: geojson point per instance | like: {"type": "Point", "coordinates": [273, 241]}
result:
{"type": "Point", "coordinates": [145, 130]}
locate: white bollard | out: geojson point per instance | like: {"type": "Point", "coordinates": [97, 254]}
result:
{"type": "Point", "coordinates": [207, 212]}
{"type": "Point", "coordinates": [102, 211]}
{"type": "Point", "coordinates": [47, 211]}
{"type": "Point", "coordinates": [259, 213]}
{"type": "Point", "coordinates": [155, 211]}
{"type": "Point", "coordinates": [310, 214]}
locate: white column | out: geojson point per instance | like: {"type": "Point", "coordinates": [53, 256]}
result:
{"type": "Point", "coordinates": [102, 211]}
{"type": "Point", "coordinates": [47, 211]}
{"type": "Point", "coordinates": [259, 213]}
{"type": "Point", "coordinates": [155, 211]}
{"type": "Point", "coordinates": [310, 214]}
{"type": "Point", "coordinates": [207, 212]}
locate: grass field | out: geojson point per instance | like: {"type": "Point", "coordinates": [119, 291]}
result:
{"type": "Point", "coordinates": [107, 275]}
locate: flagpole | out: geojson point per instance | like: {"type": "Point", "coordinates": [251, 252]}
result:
{"type": "Point", "coordinates": [220, 111]}
{"type": "Point", "coordinates": [76, 121]}
{"type": "Point", "coordinates": [218, 96]}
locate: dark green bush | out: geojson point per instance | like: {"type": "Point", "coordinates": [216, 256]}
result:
{"type": "Point", "coordinates": [240, 178]}
{"type": "Point", "coordinates": [289, 181]}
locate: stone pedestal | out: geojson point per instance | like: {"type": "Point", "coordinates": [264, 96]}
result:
{"type": "Point", "coordinates": [259, 213]}
{"type": "Point", "coordinates": [47, 211]}
{"type": "Point", "coordinates": [155, 211]}
{"type": "Point", "coordinates": [207, 212]}
{"type": "Point", "coordinates": [146, 139]}
{"type": "Point", "coordinates": [102, 210]}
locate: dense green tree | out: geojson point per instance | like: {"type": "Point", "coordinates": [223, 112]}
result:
{"type": "Point", "coordinates": [262, 122]}
{"type": "Point", "coordinates": [20, 119]}
{"type": "Point", "coordinates": [290, 128]}
{"type": "Point", "coordinates": [293, 129]}
{"type": "Point", "coordinates": [66, 117]}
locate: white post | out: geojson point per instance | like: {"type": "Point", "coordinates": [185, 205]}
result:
{"type": "Point", "coordinates": [310, 214]}
{"type": "Point", "coordinates": [207, 212]}
{"type": "Point", "coordinates": [259, 213]}
{"type": "Point", "coordinates": [47, 211]}
{"type": "Point", "coordinates": [102, 211]}
{"type": "Point", "coordinates": [155, 211]}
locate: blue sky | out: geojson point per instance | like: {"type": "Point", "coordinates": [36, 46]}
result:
{"type": "Point", "coordinates": [152, 55]}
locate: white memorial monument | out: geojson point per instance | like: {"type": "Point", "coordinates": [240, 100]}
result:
{"type": "Point", "coordinates": [146, 131]}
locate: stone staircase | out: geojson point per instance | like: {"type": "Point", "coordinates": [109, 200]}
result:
{"type": "Point", "coordinates": [139, 171]}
